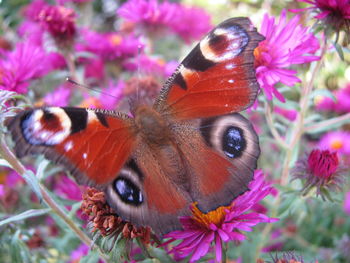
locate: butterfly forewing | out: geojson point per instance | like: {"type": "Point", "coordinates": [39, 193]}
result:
{"type": "Point", "coordinates": [217, 77]}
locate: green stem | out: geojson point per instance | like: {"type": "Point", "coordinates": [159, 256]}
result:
{"type": "Point", "coordinates": [328, 123]}
{"type": "Point", "coordinates": [7, 154]}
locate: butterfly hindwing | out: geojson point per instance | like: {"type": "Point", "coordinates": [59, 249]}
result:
{"type": "Point", "coordinates": [217, 77]}
{"type": "Point", "coordinates": [92, 145]}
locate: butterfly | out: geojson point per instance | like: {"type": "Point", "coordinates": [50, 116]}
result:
{"type": "Point", "coordinates": [190, 146]}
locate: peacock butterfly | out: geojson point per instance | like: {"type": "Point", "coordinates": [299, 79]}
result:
{"type": "Point", "coordinates": [191, 145]}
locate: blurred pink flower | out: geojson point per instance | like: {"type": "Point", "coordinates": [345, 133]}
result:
{"type": "Point", "coordinates": [112, 95]}
{"type": "Point", "coordinates": [148, 13]}
{"type": "Point", "coordinates": [18, 67]}
{"type": "Point", "coordinates": [288, 114]}
{"type": "Point", "coordinates": [188, 23]}
{"type": "Point", "coordinates": [31, 31]}
{"type": "Point", "coordinates": [333, 12]}
{"type": "Point", "coordinates": [347, 203]}
{"type": "Point", "coordinates": [32, 10]}
{"type": "Point", "coordinates": [94, 69]}
{"type": "Point", "coordinates": [59, 21]}
{"type": "Point", "coordinates": [58, 97]}
{"type": "Point", "coordinates": [286, 44]}
{"type": "Point", "coordinates": [340, 105]}
{"type": "Point", "coordinates": [336, 141]}
{"type": "Point", "coordinates": [77, 254]}
{"type": "Point", "coordinates": [68, 188]}
{"type": "Point", "coordinates": [2, 191]}
{"type": "Point", "coordinates": [149, 65]}
{"type": "Point", "coordinates": [110, 46]}
{"type": "Point", "coordinates": [320, 169]}
{"type": "Point", "coordinates": [224, 224]}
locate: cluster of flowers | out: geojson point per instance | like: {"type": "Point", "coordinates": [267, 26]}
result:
{"type": "Point", "coordinates": [51, 39]}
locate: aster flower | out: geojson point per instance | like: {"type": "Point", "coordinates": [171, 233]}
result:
{"type": "Point", "coordinates": [59, 21]}
{"type": "Point", "coordinates": [340, 105]}
{"type": "Point", "coordinates": [286, 44]}
{"type": "Point", "coordinates": [110, 46]}
{"type": "Point", "coordinates": [188, 23]}
{"type": "Point", "coordinates": [336, 141]}
{"type": "Point", "coordinates": [59, 97]}
{"type": "Point", "coordinates": [321, 169]}
{"type": "Point", "coordinates": [347, 203]}
{"type": "Point", "coordinates": [112, 95]}
{"type": "Point", "coordinates": [224, 224]}
{"type": "Point", "coordinates": [332, 13]}
{"type": "Point", "coordinates": [18, 67]}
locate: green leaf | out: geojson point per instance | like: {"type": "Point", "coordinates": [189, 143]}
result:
{"type": "Point", "coordinates": [339, 50]}
{"type": "Point", "coordinates": [41, 169]}
{"type": "Point", "coordinates": [323, 93]}
{"type": "Point", "coordinates": [91, 257]}
{"type": "Point", "coordinates": [27, 214]}
{"type": "Point", "coordinates": [33, 182]}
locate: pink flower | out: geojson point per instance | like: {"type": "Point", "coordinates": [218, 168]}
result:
{"type": "Point", "coordinates": [347, 203]}
{"type": "Point", "coordinates": [320, 169]}
{"type": "Point", "coordinates": [59, 97]}
{"type": "Point", "coordinates": [18, 67]}
{"type": "Point", "coordinates": [2, 190]}
{"type": "Point", "coordinates": [95, 69]}
{"type": "Point", "coordinates": [340, 105]}
{"type": "Point", "coordinates": [187, 22]}
{"type": "Point", "coordinates": [148, 13]}
{"type": "Point", "coordinates": [224, 224]}
{"type": "Point", "coordinates": [190, 23]}
{"type": "Point", "coordinates": [59, 21]}
{"type": "Point", "coordinates": [149, 65]}
{"type": "Point", "coordinates": [67, 188]}
{"type": "Point", "coordinates": [77, 254]}
{"type": "Point", "coordinates": [286, 44]}
{"type": "Point", "coordinates": [112, 95]}
{"type": "Point", "coordinates": [110, 46]}
{"type": "Point", "coordinates": [288, 114]}
{"type": "Point", "coordinates": [335, 13]}
{"type": "Point", "coordinates": [336, 141]}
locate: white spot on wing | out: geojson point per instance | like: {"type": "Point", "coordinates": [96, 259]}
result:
{"type": "Point", "coordinates": [68, 146]}
{"type": "Point", "coordinates": [84, 155]}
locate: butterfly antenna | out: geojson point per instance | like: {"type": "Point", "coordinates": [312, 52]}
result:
{"type": "Point", "coordinates": [87, 87]}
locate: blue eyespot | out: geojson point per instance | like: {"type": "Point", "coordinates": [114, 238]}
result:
{"type": "Point", "coordinates": [128, 192]}
{"type": "Point", "coordinates": [233, 142]}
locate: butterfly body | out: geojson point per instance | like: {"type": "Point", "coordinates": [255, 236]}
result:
{"type": "Point", "coordinates": [190, 146]}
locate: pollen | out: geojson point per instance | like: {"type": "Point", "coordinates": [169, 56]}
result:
{"type": "Point", "coordinates": [215, 217]}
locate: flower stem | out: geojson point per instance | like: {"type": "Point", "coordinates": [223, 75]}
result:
{"type": "Point", "coordinates": [328, 123]}
{"type": "Point", "coordinates": [7, 154]}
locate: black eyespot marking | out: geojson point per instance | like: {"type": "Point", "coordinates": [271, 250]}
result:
{"type": "Point", "coordinates": [233, 142]}
{"type": "Point", "coordinates": [101, 117]}
{"type": "Point", "coordinates": [179, 80]}
{"type": "Point", "coordinates": [128, 192]}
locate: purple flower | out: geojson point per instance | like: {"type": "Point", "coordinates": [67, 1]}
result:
{"type": "Point", "coordinates": [2, 190]}
{"type": "Point", "coordinates": [149, 65]}
{"type": "Point", "coordinates": [94, 69]}
{"type": "Point", "coordinates": [347, 203]}
{"type": "Point", "coordinates": [321, 169]}
{"type": "Point", "coordinates": [187, 22]}
{"type": "Point", "coordinates": [286, 44]}
{"type": "Point", "coordinates": [224, 224]}
{"type": "Point", "coordinates": [288, 114]}
{"type": "Point", "coordinates": [59, 97]}
{"type": "Point", "coordinates": [148, 13]}
{"type": "Point", "coordinates": [112, 95]}
{"type": "Point", "coordinates": [25, 63]}
{"type": "Point", "coordinates": [77, 254]}
{"type": "Point", "coordinates": [336, 141]}
{"type": "Point", "coordinates": [190, 23]}
{"type": "Point", "coordinates": [335, 13]}
{"type": "Point", "coordinates": [68, 188]}
{"type": "Point", "coordinates": [110, 46]}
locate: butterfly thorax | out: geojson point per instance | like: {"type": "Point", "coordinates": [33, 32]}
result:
{"type": "Point", "coordinates": [151, 125]}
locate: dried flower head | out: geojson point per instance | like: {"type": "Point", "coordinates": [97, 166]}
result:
{"type": "Point", "coordinates": [103, 218]}
{"type": "Point", "coordinates": [320, 169]}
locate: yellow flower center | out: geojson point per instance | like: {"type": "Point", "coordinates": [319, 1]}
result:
{"type": "Point", "coordinates": [215, 217]}
{"type": "Point", "coordinates": [336, 144]}
{"type": "Point", "coordinates": [116, 39]}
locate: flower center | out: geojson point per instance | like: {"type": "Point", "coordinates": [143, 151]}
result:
{"type": "Point", "coordinates": [215, 217]}
{"type": "Point", "coordinates": [323, 164]}
{"type": "Point", "coordinates": [336, 144]}
{"type": "Point", "coordinates": [116, 40]}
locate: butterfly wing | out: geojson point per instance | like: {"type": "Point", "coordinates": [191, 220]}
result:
{"type": "Point", "coordinates": [217, 77]}
{"type": "Point", "coordinates": [92, 145]}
